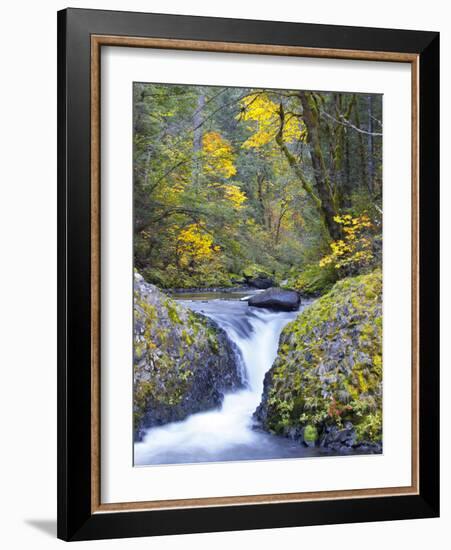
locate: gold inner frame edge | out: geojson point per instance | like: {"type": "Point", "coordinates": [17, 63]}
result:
{"type": "Point", "coordinates": [97, 41]}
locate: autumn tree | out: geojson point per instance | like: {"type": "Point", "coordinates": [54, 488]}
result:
{"type": "Point", "coordinates": [232, 179]}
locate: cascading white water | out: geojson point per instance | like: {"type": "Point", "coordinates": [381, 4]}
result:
{"type": "Point", "coordinates": [226, 433]}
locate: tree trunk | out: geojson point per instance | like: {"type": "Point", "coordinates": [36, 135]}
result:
{"type": "Point", "coordinates": [363, 165]}
{"type": "Point", "coordinates": [323, 186]}
{"type": "Point", "coordinates": [197, 136]}
{"type": "Point", "coordinates": [370, 145]}
{"type": "Point", "coordinates": [283, 211]}
{"type": "Point", "coordinates": [261, 202]}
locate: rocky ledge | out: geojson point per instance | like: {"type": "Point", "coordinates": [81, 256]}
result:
{"type": "Point", "coordinates": [325, 387]}
{"type": "Point", "coordinates": [183, 362]}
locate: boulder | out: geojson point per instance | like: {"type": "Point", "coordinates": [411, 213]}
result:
{"type": "Point", "coordinates": [260, 282]}
{"type": "Point", "coordinates": [336, 439]}
{"type": "Point", "coordinates": [257, 278]}
{"type": "Point", "coordinates": [276, 298]}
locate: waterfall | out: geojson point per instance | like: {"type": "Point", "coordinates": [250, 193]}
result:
{"type": "Point", "coordinates": [226, 433]}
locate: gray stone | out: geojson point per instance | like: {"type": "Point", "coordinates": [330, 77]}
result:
{"type": "Point", "coordinates": [277, 299]}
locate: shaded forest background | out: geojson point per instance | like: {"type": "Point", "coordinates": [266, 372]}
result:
{"type": "Point", "coordinates": [234, 182]}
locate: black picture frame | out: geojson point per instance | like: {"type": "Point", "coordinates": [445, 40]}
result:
{"type": "Point", "coordinates": [76, 520]}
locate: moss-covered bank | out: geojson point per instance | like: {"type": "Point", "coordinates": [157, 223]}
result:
{"type": "Point", "coordinates": [183, 362]}
{"type": "Point", "coordinates": [325, 386]}
{"type": "Point", "coordinates": [313, 280]}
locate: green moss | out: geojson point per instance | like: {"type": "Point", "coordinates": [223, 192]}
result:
{"type": "Point", "coordinates": [329, 364]}
{"type": "Point", "coordinates": [255, 270]}
{"type": "Point", "coordinates": [310, 433]}
{"type": "Point", "coordinates": [171, 307]}
{"type": "Point", "coordinates": [213, 342]}
{"type": "Point", "coordinates": [187, 337]}
{"type": "Point", "coordinates": [173, 277]}
{"type": "Point", "coordinates": [313, 280]}
{"type": "Point", "coordinates": [370, 427]}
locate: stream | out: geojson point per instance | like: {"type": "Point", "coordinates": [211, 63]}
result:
{"type": "Point", "coordinates": [228, 433]}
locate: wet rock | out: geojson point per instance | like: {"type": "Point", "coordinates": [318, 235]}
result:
{"type": "Point", "coordinates": [367, 447]}
{"type": "Point", "coordinates": [256, 278]}
{"type": "Point", "coordinates": [277, 299]}
{"type": "Point", "coordinates": [338, 439]}
{"type": "Point", "coordinates": [293, 433]}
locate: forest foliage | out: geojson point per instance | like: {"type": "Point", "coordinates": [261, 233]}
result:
{"type": "Point", "coordinates": [229, 181]}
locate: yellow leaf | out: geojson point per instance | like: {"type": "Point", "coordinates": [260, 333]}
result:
{"type": "Point", "coordinates": [264, 112]}
{"type": "Point", "coordinates": [195, 245]}
{"type": "Point", "coordinates": [234, 194]}
{"type": "Point", "coordinates": [218, 156]}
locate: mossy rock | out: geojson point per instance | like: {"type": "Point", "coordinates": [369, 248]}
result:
{"type": "Point", "coordinates": [329, 365]}
{"type": "Point", "coordinates": [183, 362]}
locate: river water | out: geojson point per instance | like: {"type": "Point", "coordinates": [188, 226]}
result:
{"type": "Point", "coordinates": [228, 433]}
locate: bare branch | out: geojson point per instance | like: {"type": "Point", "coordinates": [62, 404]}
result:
{"type": "Point", "coordinates": [344, 122]}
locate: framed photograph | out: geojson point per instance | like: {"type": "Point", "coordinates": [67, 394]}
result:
{"type": "Point", "coordinates": [248, 274]}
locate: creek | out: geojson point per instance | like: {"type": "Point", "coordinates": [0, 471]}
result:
{"type": "Point", "coordinates": [229, 432]}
